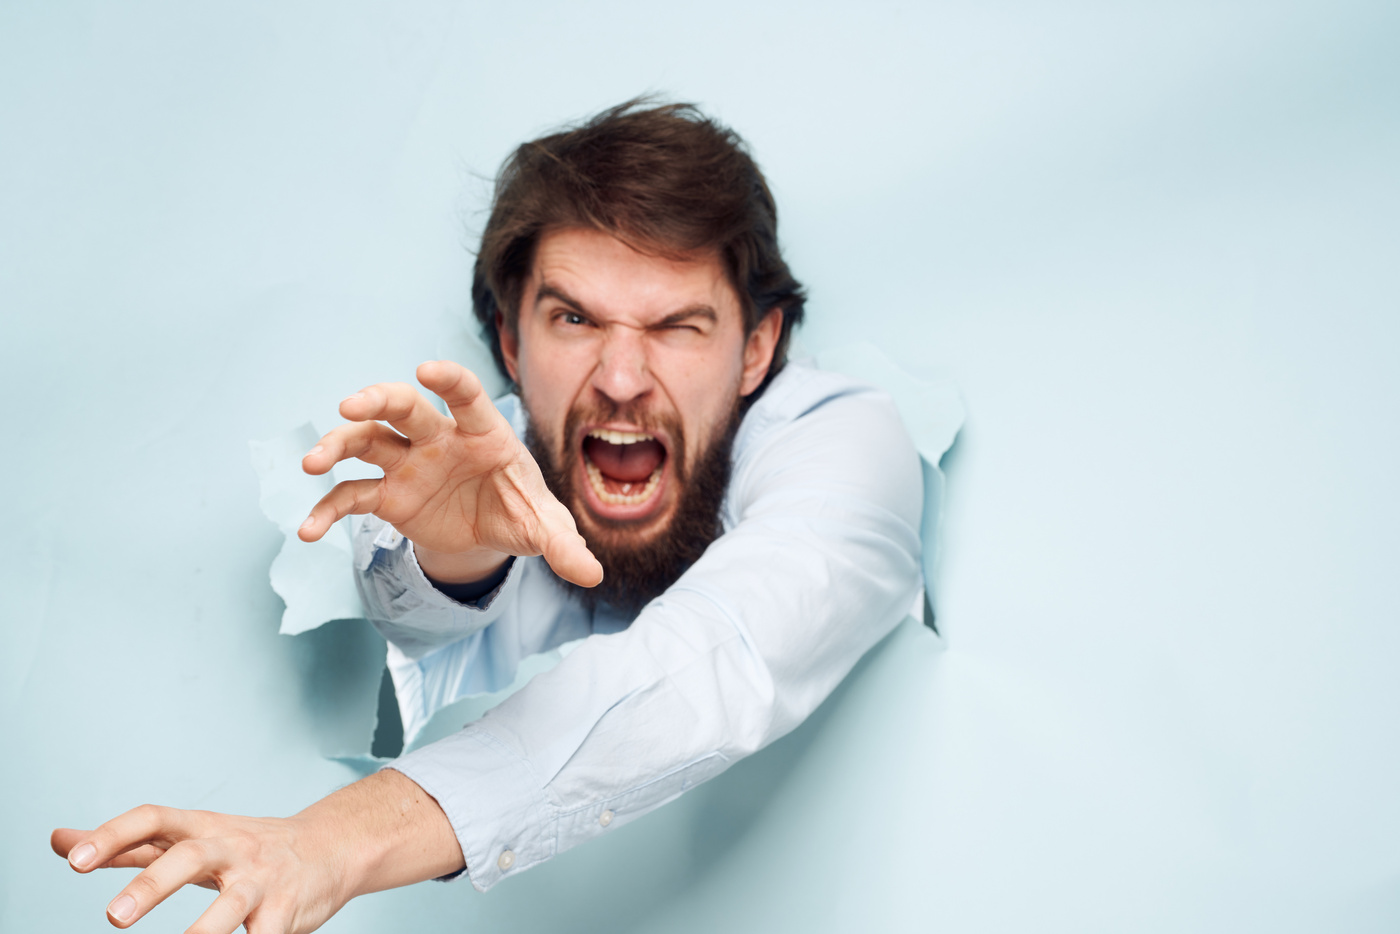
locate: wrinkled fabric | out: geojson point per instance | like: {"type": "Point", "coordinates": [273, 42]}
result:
{"type": "Point", "coordinates": [819, 559]}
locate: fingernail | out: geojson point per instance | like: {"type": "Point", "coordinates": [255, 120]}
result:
{"type": "Point", "coordinates": [122, 908]}
{"type": "Point", "coordinates": [316, 450]}
{"type": "Point", "coordinates": [310, 521]}
{"type": "Point", "coordinates": [358, 395]}
{"type": "Point", "coordinates": [82, 856]}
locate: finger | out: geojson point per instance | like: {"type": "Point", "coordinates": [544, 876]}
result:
{"type": "Point", "coordinates": [399, 404]}
{"type": "Point", "coordinates": [189, 861]}
{"type": "Point", "coordinates": [347, 498]}
{"type": "Point", "coordinates": [371, 442]}
{"type": "Point", "coordinates": [229, 910]}
{"type": "Point", "coordinates": [565, 549]}
{"type": "Point", "coordinates": [462, 391]}
{"type": "Point", "coordinates": [139, 856]}
{"type": "Point", "coordinates": [136, 858]}
{"type": "Point", "coordinates": [146, 824]}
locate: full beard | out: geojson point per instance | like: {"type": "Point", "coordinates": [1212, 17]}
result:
{"type": "Point", "coordinates": [637, 570]}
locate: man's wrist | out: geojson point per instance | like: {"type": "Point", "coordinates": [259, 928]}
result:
{"type": "Point", "coordinates": [386, 831]}
{"type": "Point", "coordinates": [465, 568]}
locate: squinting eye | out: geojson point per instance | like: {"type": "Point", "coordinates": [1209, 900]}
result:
{"type": "Point", "coordinates": [570, 317]}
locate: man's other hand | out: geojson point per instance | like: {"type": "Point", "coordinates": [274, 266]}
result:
{"type": "Point", "coordinates": [274, 875]}
{"type": "Point", "coordinates": [463, 489]}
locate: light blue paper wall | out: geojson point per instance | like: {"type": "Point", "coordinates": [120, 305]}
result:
{"type": "Point", "coordinates": [1154, 246]}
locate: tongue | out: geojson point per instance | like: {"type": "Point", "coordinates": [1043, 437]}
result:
{"type": "Point", "coordinates": [625, 463]}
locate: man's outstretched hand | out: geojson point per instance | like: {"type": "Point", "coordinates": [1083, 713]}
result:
{"type": "Point", "coordinates": [463, 489]}
{"type": "Point", "coordinates": [274, 875]}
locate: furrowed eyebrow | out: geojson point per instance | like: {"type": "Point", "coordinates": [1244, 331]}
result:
{"type": "Point", "coordinates": [548, 291]}
{"type": "Point", "coordinates": [554, 292]}
{"type": "Point", "coordinates": [685, 314]}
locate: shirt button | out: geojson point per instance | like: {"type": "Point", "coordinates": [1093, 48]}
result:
{"type": "Point", "coordinates": [506, 860]}
{"type": "Point", "coordinates": [605, 818]}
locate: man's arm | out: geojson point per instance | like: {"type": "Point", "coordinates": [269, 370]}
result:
{"type": "Point", "coordinates": [442, 648]}
{"type": "Point", "coordinates": [819, 561]}
{"type": "Point", "coordinates": [276, 874]}
{"type": "Point", "coordinates": [463, 486]}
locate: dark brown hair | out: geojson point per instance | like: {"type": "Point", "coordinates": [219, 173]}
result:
{"type": "Point", "coordinates": [666, 180]}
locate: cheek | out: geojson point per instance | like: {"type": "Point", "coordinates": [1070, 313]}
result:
{"type": "Point", "coordinates": [550, 380]}
{"type": "Point", "coordinates": [704, 388]}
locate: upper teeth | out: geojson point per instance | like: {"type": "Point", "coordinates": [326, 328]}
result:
{"type": "Point", "coordinates": [618, 437]}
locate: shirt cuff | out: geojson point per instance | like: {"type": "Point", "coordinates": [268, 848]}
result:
{"type": "Point", "coordinates": [475, 593]}
{"type": "Point", "coordinates": [405, 606]}
{"type": "Point", "coordinates": [417, 581]}
{"type": "Point", "coordinates": [493, 799]}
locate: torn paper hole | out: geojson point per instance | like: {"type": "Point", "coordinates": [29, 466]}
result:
{"type": "Point", "coordinates": [316, 580]}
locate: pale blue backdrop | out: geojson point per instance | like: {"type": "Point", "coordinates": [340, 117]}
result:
{"type": "Point", "coordinates": [1156, 245]}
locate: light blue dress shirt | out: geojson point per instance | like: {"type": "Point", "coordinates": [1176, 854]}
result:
{"type": "Point", "coordinates": [818, 560]}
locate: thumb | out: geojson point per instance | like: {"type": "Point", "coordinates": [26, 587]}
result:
{"type": "Point", "coordinates": [566, 551]}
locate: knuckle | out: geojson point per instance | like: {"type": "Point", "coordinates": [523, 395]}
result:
{"type": "Point", "coordinates": [192, 850]}
{"type": "Point", "coordinates": [240, 898]}
{"type": "Point", "coordinates": [145, 888]}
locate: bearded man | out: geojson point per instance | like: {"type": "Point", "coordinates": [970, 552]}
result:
{"type": "Point", "coordinates": [724, 533]}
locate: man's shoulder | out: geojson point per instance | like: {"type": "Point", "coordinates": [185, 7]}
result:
{"type": "Point", "coordinates": [802, 397]}
{"type": "Point", "coordinates": [825, 433]}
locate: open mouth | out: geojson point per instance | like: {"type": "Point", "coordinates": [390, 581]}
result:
{"type": "Point", "coordinates": [624, 468]}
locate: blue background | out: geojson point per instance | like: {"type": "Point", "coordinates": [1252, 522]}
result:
{"type": "Point", "coordinates": [1155, 244]}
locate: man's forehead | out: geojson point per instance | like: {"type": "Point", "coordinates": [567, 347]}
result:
{"type": "Point", "coordinates": [606, 277]}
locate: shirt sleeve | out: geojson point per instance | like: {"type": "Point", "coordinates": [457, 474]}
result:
{"type": "Point", "coordinates": [441, 649]}
{"type": "Point", "coordinates": [820, 560]}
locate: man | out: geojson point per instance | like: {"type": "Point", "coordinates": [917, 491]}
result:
{"type": "Point", "coordinates": [726, 535]}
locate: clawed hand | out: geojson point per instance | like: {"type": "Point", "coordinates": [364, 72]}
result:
{"type": "Point", "coordinates": [463, 489]}
{"type": "Point", "coordinates": [273, 875]}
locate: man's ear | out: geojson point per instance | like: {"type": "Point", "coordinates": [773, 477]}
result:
{"type": "Point", "coordinates": [758, 351]}
{"type": "Point", "coordinates": [510, 346]}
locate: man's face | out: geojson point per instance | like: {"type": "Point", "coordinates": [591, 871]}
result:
{"type": "Point", "coordinates": [631, 368]}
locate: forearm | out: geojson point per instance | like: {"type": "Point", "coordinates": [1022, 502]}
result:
{"type": "Point", "coordinates": [386, 831]}
{"type": "Point", "coordinates": [630, 720]}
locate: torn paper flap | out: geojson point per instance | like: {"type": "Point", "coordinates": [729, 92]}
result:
{"type": "Point", "coordinates": [932, 411]}
{"type": "Point", "coordinates": [315, 580]}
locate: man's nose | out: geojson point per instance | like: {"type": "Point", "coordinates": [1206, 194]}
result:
{"type": "Point", "coordinates": [623, 372]}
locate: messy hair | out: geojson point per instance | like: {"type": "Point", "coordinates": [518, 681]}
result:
{"type": "Point", "coordinates": [664, 179]}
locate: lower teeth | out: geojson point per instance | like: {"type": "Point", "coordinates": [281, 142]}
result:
{"type": "Point", "coordinates": [621, 499]}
